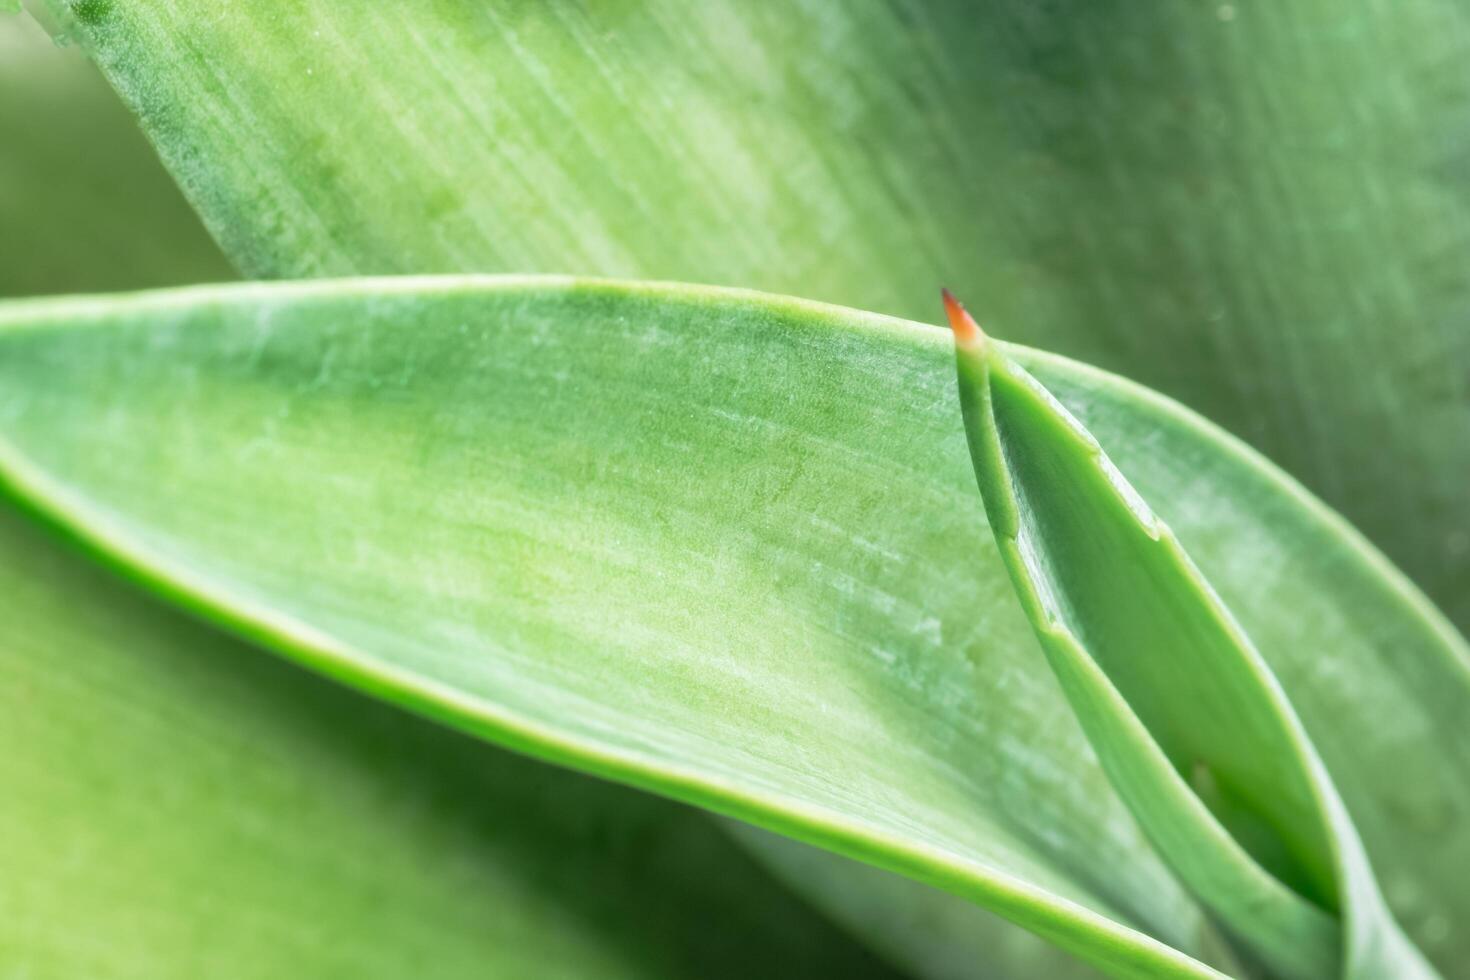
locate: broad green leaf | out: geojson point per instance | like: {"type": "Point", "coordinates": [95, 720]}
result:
{"type": "Point", "coordinates": [1187, 719]}
{"type": "Point", "coordinates": [721, 546]}
{"type": "Point", "coordinates": [1257, 207]}
{"type": "Point", "coordinates": [673, 699]}
{"type": "Point", "coordinates": [176, 805]}
{"type": "Point", "coordinates": [84, 203]}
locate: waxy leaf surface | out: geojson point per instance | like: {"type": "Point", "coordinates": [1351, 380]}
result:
{"type": "Point", "coordinates": [721, 546]}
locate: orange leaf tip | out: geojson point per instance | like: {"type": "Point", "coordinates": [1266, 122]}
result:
{"type": "Point", "coordinates": [967, 332]}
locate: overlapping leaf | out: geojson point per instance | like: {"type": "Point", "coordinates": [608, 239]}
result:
{"type": "Point", "coordinates": [1189, 722]}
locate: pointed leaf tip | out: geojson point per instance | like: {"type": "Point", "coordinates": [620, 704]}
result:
{"type": "Point", "coordinates": [967, 332]}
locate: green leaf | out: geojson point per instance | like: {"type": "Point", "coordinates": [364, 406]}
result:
{"type": "Point", "coordinates": [177, 805]}
{"type": "Point", "coordinates": [1259, 208]}
{"type": "Point", "coordinates": [84, 202]}
{"type": "Point", "coordinates": [721, 546]}
{"type": "Point", "coordinates": [1169, 688]}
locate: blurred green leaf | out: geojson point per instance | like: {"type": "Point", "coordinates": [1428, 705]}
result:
{"type": "Point", "coordinates": [1259, 208]}
{"type": "Point", "coordinates": [85, 205]}
{"type": "Point", "coordinates": [721, 546]}
{"type": "Point", "coordinates": [177, 805]}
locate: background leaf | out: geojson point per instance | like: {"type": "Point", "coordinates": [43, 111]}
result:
{"type": "Point", "coordinates": [177, 805]}
{"type": "Point", "coordinates": [84, 203]}
{"type": "Point", "coordinates": [722, 546]}
{"type": "Point", "coordinates": [1257, 207]}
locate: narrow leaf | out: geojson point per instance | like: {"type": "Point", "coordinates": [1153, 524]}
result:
{"type": "Point", "coordinates": [1169, 687]}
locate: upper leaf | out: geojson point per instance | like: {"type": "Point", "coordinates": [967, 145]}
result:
{"type": "Point", "coordinates": [84, 202]}
{"type": "Point", "coordinates": [1259, 208]}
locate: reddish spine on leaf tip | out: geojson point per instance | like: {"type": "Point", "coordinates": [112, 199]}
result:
{"type": "Point", "coordinates": [967, 332]}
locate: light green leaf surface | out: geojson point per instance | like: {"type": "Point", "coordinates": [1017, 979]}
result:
{"type": "Point", "coordinates": [84, 203]}
{"type": "Point", "coordinates": [1257, 207]}
{"type": "Point", "coordinates": [1187, 719]}
{"type": "Point", "coordinates": [721, 546]}
{"type": "Point", "coordinates": [174, 804]}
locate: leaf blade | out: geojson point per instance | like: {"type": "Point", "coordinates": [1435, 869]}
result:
{"type": "Point", "coordinates": [576, 370]}
{"type": "Point", "coordinates": [1165, 682]}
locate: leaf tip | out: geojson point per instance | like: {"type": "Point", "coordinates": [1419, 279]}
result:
{"type": "Point", "coordinates": [967, 333]}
